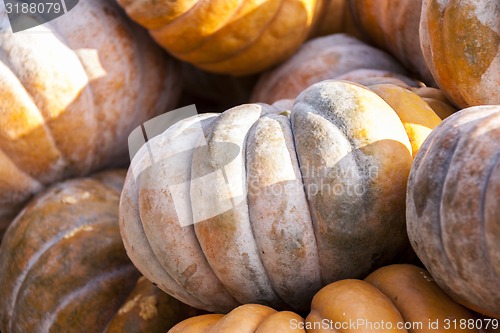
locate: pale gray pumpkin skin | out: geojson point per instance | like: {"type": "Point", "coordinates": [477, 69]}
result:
{"type": "Point", "coordinates": [453, 215]}
{"type": "Point", "coordinates": [242, 185]}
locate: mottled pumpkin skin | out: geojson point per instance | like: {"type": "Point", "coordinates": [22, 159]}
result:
{"type": "Point", "coordinates": [62, 262]}
{"type": "Point", "coordinates": [460, 41]}
{"type": "Point", "coordinates": [225, 215]}
{"type": "Point", "coordinates": [64, 269]}
{"type": "Point", "coordinates": [393, 25]}
{"type": "Point", "coordinates": [392, 294]}
{"type": "Point", "coordinates": [71, 94]}
{"type": "Point", "coordinates": [248, 318]}
{"type": "Point", "coordinates": [320, 59]}
{"type": "Point", "coordinates": [227, 36]}
{"type": "Point", "coordinates": [148, 309]}
{"type": "Point", "coordinates": [453, 215]}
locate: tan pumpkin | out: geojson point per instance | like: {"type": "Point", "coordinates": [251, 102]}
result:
{"type": "Point", "coordinates": [453, 214]}
{"type": "Point", "coordinates": [64, 269]}
{"type": "Point", "coordinates": [225, 216]}
{"type": "Point", "coordinates": [227, 36]}
{"type": "Point", "coordinates": [393, 25]}
{"type": "Point", "coordinates": [72, 90]}
{"type": "Point", "coordinates": [248, 318]}
{"type": "Point", "coordinates": [395, 298]}
{"type": "Point", "coordinates": [460, 41]}
{"type": "Point", "coordinates": [317, 60]}
{"type": "Point", "coordinates": [391, 299]}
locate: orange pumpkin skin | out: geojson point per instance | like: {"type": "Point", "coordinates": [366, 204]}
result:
{"type": "Point", "coordinates": [227, 36]}
{"type": "Point", "coordinates": [392, 294]}
{"type": "Point", "coordinates": [452, 207]}
{"type": "Point", "coordinates": [248, 318]}
{"type": "Point", "coordinates": [63, 266]}
{"type": "Point", "coordinates": [320, 59]}
{"type": "Point", "coordinates": [272, 237]}
{"type": "Point", "coordinates": [69, 99]}
{"type": "Point", "coordinates": [388, 297]}
{"type": "Point", "coordinates": [460, 41]}
{"type": "Point", "coordinates": [393, 25]}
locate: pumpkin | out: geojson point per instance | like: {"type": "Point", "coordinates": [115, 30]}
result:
{"type": "Point", "coordinates": [320, 59]}
{"type": "Point", "coordinates": [148, 309]}
{"type": "Point", "coordinates": [387, 300]}
{"type": "Point", "coordinates": [434, 98]}
{"type": "Point", "coordinates": [460, 41]}
{"type": "Point", "coordinates": [245, 318]}
{"type": "Point", "coordinates": [227, 36]}
{"type": "Point", "coordinates": [220, 213]}
{"type": "Point", "coordinates": [64, 269]}
{"type": "Point", "coordinates": [395, 298]}
{"type": "Point", "coordinates": [71, 94]}
{"type": "Point", "coordinates": [453, 214]}
{"type": "Point", "coordinates": [393, 25]}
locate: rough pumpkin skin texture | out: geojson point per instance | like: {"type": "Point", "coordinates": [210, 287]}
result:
{"type": "Point", "coordinates": [460, 40]}
{"type": "Point", "coordinates": [62, 261]}
{"type": "Point", "coordinates": [256, 205]}
{"type": "Point", "coordinates": [64, 269]}
{"type": "Point", "coordinates": [148, 309]}
{"type": "Point", "coordinates": [227, 36]}
{"type": "Point", "coordinates": [71, 94]}
{"type": "Point", "coordinates": [393, 25]}
{"type": "Point", "coordinates": [320, 59]}
{"type": "Point", "coordinates": [453, 215]}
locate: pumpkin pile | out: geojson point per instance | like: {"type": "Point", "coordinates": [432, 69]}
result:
{"type": "Point", "coordinates": [341, 173]}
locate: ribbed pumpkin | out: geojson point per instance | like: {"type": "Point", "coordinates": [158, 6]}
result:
{"type": "Point", "coordinates": [227, 36]}
{"type": "Point", "coordinates": [453, 211]}
{"type": "Point", "coordinates": [460, 41]}
{"type": "Point", "coordinates": [71, 91]}
{"type": "Point", "coordinates": [266, 230]}
{"type": "Point", "coordinates": [383, 302]}
{"type": "Point", "coordinates": [393, 25]}
{"type": "Point", "coordinates": [64, 269]}
{"type": "Point", "coordinates": [248, 318]}
{"type": "Point", "coordinates": [317, 60]}
{"type": "Point", "coordinates": [390, 296]}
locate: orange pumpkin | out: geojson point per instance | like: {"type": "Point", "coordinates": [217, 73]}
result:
{"type": "Point", "coordinates": [63, 266]}
{"type": "Point", "coordinates": [453, 214]}
{"type": "Point", "coordinates": [396, 298]}
{"type": "Point", "coordinates": [460, 41]}
{"type": "Point", "coordinates": [71, 92]}
{"type": "Point", "coordinates": [266, 230]}
{"type": "Point", "coordinates": [248, 318]}
{"type": "Point", "coordinates": [227, 36]}
{"type": "Point", "coordinates": [393, 25]}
